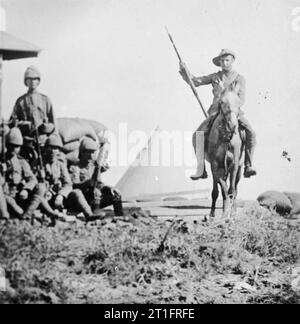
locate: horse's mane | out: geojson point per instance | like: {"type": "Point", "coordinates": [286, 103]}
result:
{"type": "Point", "coordinates": [230, 98]}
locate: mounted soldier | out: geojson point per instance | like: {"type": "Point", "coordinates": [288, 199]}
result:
{"type": "Point", "coordinates": [87, 177]}
{"type": "Point", "coordinates": [60, 189]}
{"type": "Point", "coordinates": [225, 80]}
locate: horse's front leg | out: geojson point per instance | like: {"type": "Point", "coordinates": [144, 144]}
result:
{"type": "Point", "coordinates": [215, 191]}
{"type": "Point", "coordinates": [226, 198]}
{"type": "Point", "coordinates": [234, 180]}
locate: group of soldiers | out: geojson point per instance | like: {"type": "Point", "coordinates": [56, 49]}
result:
{"type": "Point", "coordinates": [34, 172]}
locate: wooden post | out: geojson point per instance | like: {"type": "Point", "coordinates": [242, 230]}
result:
{"type": "Point", "coordinates": [1, 79]}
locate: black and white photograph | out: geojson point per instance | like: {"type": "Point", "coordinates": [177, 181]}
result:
{"type": "Point", "coordinates": [149, 154]}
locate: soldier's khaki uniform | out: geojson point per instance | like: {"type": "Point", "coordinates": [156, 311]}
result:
{"type": "Point", "coordinates": [3, 205]}
{"type": "Point", "coordinates": [59, 183]}
{"type": "Point", "coordinates": [34, 107]}
{"type": "Point", "coordinates": [232, 82]}
{"type": "Point", "coordinates": [18, 177]}
{"type": "Point", "coordinates": [103, 196]}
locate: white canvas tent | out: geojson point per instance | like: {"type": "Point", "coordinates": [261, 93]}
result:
{"type": "Point", "coordinates": [155, 182]}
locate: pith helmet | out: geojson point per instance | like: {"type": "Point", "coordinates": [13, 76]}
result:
{"type": "Point", "coordinates": [32, 73]}
{"type": "Point", "coordinates": [14, 137]}
{"type": "Point", "coordinates": [88, 144]}
{"type": "Point", "coordinates": [54, 141]}
{"type": "Point", "coordinates": [217, 60]}
{"type": "Point", "coordinates": [46, 129]}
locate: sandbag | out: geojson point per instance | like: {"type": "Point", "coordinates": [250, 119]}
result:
{"type": "Point", "coordinates": [71, 147]}
{"type": "Point", "coordinates": [277, 201]}
{"type": "Point", "coordinates": [294, 198]}
{"type": "Point", "coordinates": [73, 157]}
{"type": "Point", "coordinates": [72, 129]}
{"type": "Point", "coordinates": [98, 127]}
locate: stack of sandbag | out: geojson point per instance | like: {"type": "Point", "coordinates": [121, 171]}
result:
{"type": "Point", "coordinates": [294, 198]}
{"type": "Point", "coordinates": [283, 203]}
{"type": "Point", "coordinates": [74, 130]}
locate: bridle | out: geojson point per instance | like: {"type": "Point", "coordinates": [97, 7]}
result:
{"type": "Point", "coordinates": [227, 131]}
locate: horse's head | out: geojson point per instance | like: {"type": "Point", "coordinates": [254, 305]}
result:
{"type": "Point", "coordinates": [229, 107]}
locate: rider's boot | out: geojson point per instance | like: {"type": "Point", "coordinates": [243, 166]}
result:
{"type": "Point", "coordinates": [201, 168]}
{"type": "Point", "coordinates": [201, 173]}
{"type": "Point", "coordinates": [249, 171]}
{"type": "Point", "coordinates": [250, 147]}
{"type": "Point", "coordinates": [199, 142]}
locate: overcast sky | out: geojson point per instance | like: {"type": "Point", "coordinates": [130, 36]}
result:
{"type": "Point", "coordinates": [111, 60]}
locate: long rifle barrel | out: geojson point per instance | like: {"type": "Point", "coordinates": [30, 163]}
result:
{"type": "Point", "coordinates": [190, 81]}
{"type": "Point", "coordinates": [39, 152]}
{"type": "Point", "coordinates": [173, 43]}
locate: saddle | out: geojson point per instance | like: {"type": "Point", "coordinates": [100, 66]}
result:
{"type": "Point", "coordinates": [241, 131]}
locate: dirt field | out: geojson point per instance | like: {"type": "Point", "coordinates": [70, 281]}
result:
{"type": "Point", "coordinates": [254, 258]}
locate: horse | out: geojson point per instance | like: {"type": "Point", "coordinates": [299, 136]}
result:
{"type": "Point", "coordinates": [225, 153]}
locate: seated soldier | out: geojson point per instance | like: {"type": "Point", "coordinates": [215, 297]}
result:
{"type": "Point", "coordinates": [61, 194]}
{"type": "Point", "coordinates": [3, 205]}
{"type": "Point", "coordinates": [87, 177]}
{"type": "Point", "coordinates": [22, 190]}
{"type": "Point", "coordinates": [227, 79]}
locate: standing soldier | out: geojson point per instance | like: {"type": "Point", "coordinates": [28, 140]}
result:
{"type": "Point", "coordinates": [22, 190]}
{"type": "Point", "coordinates": [226, 79]}
{"type": "Point", "coordinates": [61, 193]}
{"type": "Point", "coordinates": [87, 177]}
{"type": "Point", "coordinates": [33, 110]}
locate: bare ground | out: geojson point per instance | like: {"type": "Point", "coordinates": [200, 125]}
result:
{"type": "Point", "coordinates": [253, 258]}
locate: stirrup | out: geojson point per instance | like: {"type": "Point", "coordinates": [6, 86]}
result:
{"type": "Point", "coordinates": [249, 172]}
{"type": "Point", "coordinates": [203, 176]}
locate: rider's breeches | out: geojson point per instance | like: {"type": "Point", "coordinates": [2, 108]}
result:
{"type": "Point", "coordinates": [250, 140]}
{"type": "Point", "coordinates": [204, 128]}
{"type": "Point", "coordinates": [244, 123]}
